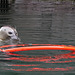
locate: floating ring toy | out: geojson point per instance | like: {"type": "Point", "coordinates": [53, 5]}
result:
{"type": "Point", "coordinates": [28, 47]}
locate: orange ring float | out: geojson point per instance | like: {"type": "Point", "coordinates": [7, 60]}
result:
{"type": "Point", "coordinates": [37, 47]}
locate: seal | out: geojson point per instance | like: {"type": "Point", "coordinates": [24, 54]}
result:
{"type": "Point", "coordinates": [8, 35]}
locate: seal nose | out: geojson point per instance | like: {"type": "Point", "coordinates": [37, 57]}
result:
{"type": "Point", "coordinates": [15, 38]}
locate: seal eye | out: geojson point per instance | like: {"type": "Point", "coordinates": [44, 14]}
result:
{"type": "Point", "coordinates": [10, 32]}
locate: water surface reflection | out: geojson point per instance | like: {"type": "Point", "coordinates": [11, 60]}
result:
{"type": "Point", "coordinates": [35, 61]}
{"type": "Point", "coordinates": [42, 62]}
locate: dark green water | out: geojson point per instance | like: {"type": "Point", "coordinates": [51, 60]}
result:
{"type": "Point", "coordinates": [42, 22]}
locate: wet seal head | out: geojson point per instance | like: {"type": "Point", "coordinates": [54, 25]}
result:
{"type": "Point", "coordinates": [8, 33]}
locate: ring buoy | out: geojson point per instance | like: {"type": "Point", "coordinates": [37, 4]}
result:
{"type": "Point", "coordinates": [37, 47]}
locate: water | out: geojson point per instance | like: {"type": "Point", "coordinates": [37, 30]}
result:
{"type": "Point", "coordinates": [42, 22]}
